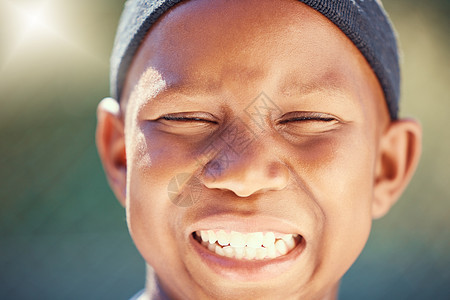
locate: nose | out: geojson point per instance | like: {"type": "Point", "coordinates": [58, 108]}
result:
{"type": "Point", "coordinates": [255, 169]}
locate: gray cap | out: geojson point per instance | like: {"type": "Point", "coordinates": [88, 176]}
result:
{"type": "Point", "coordinates": [364, 22]}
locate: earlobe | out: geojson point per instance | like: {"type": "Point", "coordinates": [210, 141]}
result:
{"type": "Point", "coordinates": [110, 139]}
{"type": "Point", "coordinates": [398, 156]}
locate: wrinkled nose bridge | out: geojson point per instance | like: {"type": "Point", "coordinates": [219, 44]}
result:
{"type": "Point", "coordinates": [229, 145]}
{"type": "Point", "coordinates": [243, 162]}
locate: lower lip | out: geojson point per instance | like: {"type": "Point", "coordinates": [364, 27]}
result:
{"type": "Point", "coordinates": [247, 270]}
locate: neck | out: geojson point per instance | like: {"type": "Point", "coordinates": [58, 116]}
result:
{"type": "Point", "coordinates": [153, 290]}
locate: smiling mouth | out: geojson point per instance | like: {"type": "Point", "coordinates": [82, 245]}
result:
{"type": "Point", "coordinates": [247, 246]}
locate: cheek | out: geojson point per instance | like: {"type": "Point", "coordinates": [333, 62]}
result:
{"type": "Point", "coordinates": [338, 171]}
{"type": "Point", "coordinates": [164, 153]}
{"type": "Point", "coordinates": [152, 218]}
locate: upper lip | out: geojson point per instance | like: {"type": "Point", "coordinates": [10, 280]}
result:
{"type": "Point", "coordinates": [247, 224]}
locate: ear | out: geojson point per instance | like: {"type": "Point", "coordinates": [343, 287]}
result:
{"type": "Point", "coordinates": [399, 153]}
{"type": "Point", "coordinates": [110, 139]}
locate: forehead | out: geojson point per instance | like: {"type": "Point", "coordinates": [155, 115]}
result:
{"type": "Point", "coordinates": [248, 45]}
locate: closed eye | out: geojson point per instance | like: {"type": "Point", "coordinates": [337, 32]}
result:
{"type": "Point", "coordinates": [306, 117]}
{"type": "Point", "coordinates": [187, 119]}
{"type": "Point", "coordinates": [306, 123]}
{"type": "Point", "coordinates": [187, 123]}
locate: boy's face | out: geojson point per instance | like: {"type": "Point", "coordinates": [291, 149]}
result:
{"type": "Point", "coordinates": [300, 158]}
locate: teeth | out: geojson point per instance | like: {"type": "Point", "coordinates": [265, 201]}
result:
{"type": "Point", "coordinates": [261, 253]}
{"type": "Point", "coordinates": [289, 240]}
{"type": "Point", "coordinates": [222, 238]}
{"type": "Point", "coordinates": [281, 247]}
{"type": "Point", "coordinates": [204, 235]}
{"type": "Point", "coordinates": [256, 245]}
{"type": "Point", "coordinates": [255, 240]}
{"type": "Point", "coordinates": [269, 239]}
{"type": "Point", "coordinates": [237, 239]}
{"type": "Point", "coordinates": [250, 253]}
{"type": "Point", "coordinates": [239, 252]}
{"type": "Point", "coordinates": [211, 237]}
{"type": "Point", "coordinates": [228, 250]}
{"type": "Point", "coordinates": [212, 247]}
{"type": "Point", "coordinates": [271, 252]}
{"type": "Point", "coordinates": [220, 251]}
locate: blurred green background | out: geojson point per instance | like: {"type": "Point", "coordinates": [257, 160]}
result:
{"type": "Point", "coordinates": [62, 233]}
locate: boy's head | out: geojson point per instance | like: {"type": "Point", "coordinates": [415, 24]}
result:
{"type": "Point", "coordinates": [242, 117]}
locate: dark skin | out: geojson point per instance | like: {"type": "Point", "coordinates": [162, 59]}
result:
{"type": "Point", "coordinates": [323, 165]}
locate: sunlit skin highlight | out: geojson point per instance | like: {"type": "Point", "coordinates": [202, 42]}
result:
{"type": "Point", "coordinates": [320, 164]}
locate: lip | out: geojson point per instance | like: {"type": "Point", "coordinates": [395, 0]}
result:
{"type": "Point", "coordinates": [241, 269]}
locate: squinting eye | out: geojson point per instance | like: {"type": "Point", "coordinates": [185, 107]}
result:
{"type": "Point", "coordinates": [187, 123]}
{"type": "Point", "coordinates": [305, 123]}
{"type": "Point", "coordinates": [186, 119]}
{"type": "Point", "coordinates": [192, 117]}
{"type": "Point", "coordinates": [307, 117]}
{"type": "Point", "coordinates": [298, 119]}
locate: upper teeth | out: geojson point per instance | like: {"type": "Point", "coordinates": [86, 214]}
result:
{"type": "Point", "coordinates": [255, 245]}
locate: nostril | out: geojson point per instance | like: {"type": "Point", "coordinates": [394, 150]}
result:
{"type": "Point", "coordinates": [246, 180]}
{"type": "Point", "coordinates": [245, 173]}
